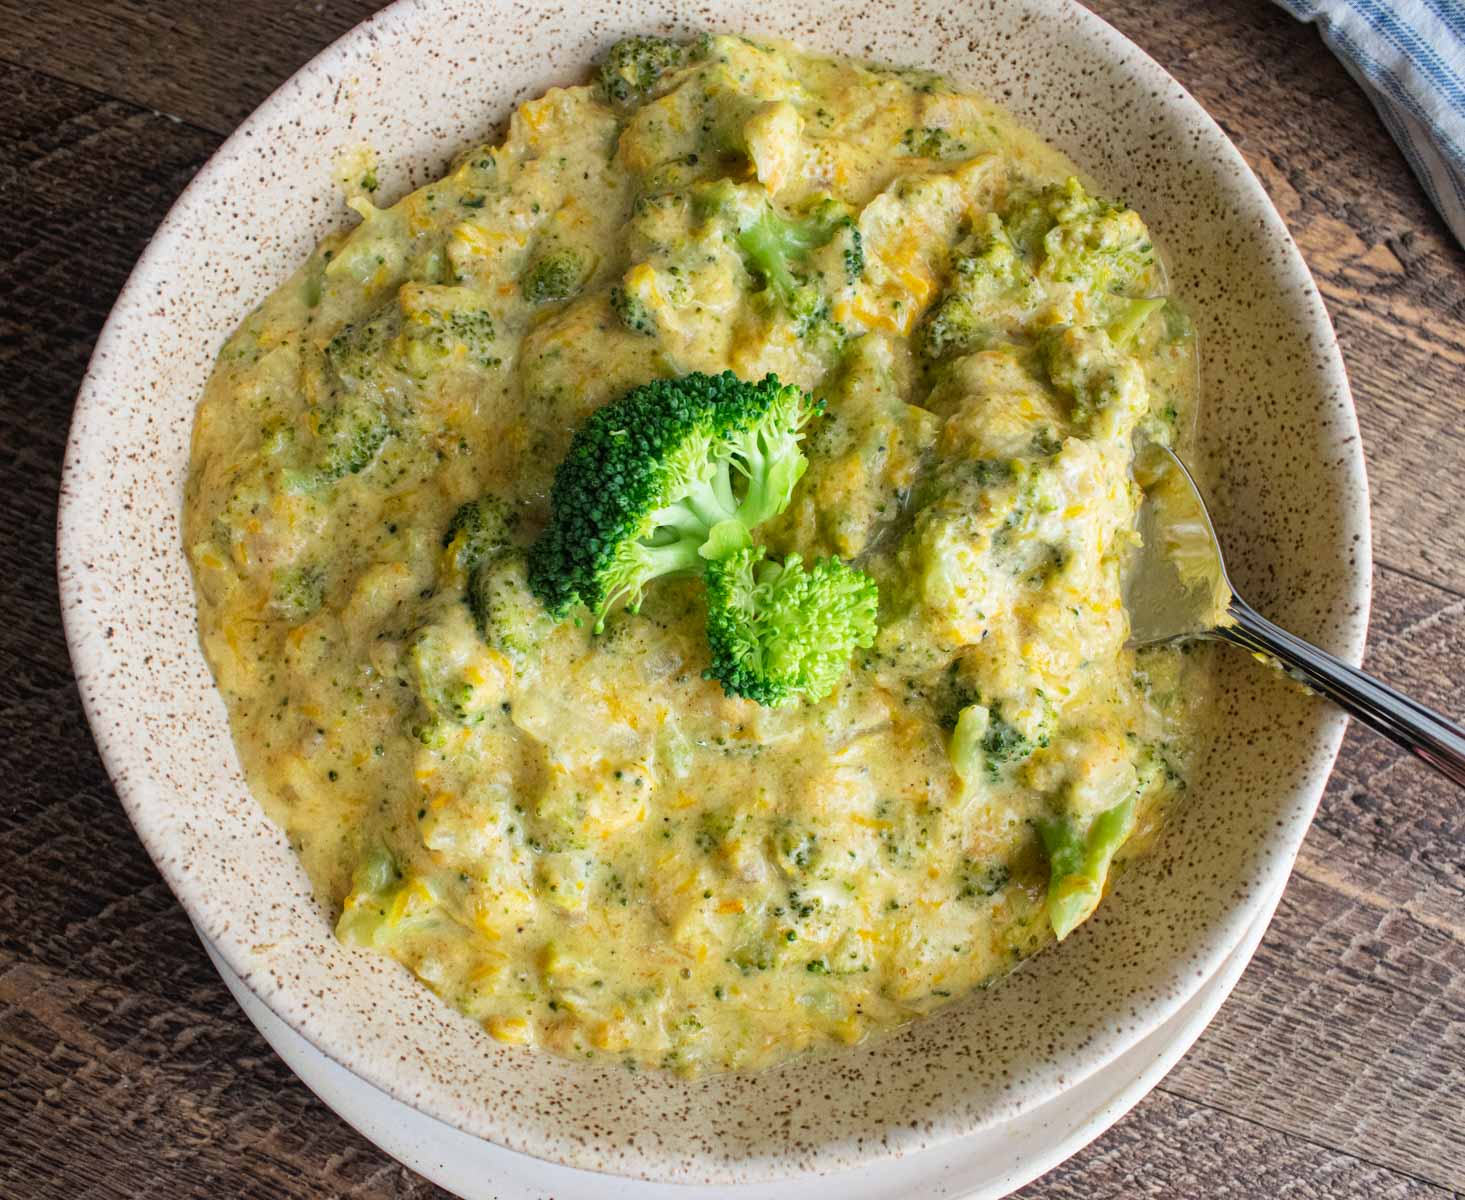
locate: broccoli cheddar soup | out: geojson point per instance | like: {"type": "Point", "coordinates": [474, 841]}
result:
{"type": "Point", "coordinates": [665, 576]}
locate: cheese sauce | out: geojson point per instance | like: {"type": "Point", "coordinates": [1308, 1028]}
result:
{"type": "Point", "coordinates": [576, 839]}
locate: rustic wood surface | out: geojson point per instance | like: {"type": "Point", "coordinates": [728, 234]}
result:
{"type": "Point", "coordinates": [1336, 1069]}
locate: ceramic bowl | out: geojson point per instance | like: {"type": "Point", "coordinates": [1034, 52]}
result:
{"type": "Point", "coordinates": [985, 1165]}
{"type": "Point", "coordinates": [1278, 442]}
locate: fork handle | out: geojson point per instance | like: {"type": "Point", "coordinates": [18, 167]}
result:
{"type": "Point", "coordinates": [1430, 737]}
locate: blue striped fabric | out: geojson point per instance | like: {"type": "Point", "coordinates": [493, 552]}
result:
{"type": "Point", "coordinates": [1409, 56]}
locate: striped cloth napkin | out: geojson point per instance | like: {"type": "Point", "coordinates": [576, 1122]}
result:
{"type": "Point", "coordinates": [1409, 56]}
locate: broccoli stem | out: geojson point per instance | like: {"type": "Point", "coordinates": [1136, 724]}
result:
{"type": "Point", "coordinates": [1079, 858]}
{"type": "Point", "coordinates": [966, 749]}
{"type": "Point", "coordinates": [709, 521]}
{"type": "Point", "coordinates": [680, 555]}
{"type": "Point", "coordinates": [770, 462]}
{"type": "Point", "coordinates": [769, 243]}
{"type": "Point", "coordinates": [651, 558]}
{"type": "Point", "coordinates": [709, 501]}
{"type": "Point", "coordinates": [1125, 328]}
{"type": "Point", "coordinates": [682, 518]}
{"type": "Point", "coordinates": [680, 534]}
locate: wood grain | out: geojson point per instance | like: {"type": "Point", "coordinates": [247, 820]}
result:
{"type": "Point", "coordinates": [177, 57]}
{"type": "Point", "coordinates": [1336, 1069]}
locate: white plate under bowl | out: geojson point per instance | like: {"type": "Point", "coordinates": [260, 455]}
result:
{"type": "Point", "coordinates": [985, 1165]}
{"type": "Point", "coordinates": [1278, 441]}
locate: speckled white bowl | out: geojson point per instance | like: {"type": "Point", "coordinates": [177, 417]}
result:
{"type": "Point", "coordinates": [1279, 442]}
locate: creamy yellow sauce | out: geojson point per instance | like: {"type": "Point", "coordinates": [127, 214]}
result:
{"type": "Point", "coordinates": [577, 839]}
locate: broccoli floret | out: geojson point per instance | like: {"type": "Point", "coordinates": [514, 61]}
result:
{"type": "Point", "coordinates": [632, 68]}
{"type": "Point", "coordinates": [1030, 217]}
{"type": "Point", "coordinates": [965, 510]}
{"type": "Point", "coordinates": [1045, 443]}
{"type": "Point", "coordinates": [453, 677]}
{"type": "Point", "coordinates": [479, 551]}
{"type": "Point", "coordinates": [348, 436]}
{"type": "Point", "coordinates": [506, 612]}
{"type": "Point", "coordinates": [854, 250]}
{"type": "Point", "coordinates": [950, 695]}
{"type": "Point", "coordinates": [353, 425]}
{"type": "Point", "coordinates": [296, 592]}
{"type": "Point", "coordinates": [952, 328]}
{"type": "Point", "coordinates": [1076, 238]}
{"type": "Point", "coordinates": [983, 741]}
{"type": "Point", "coordinates": [634, 314]}
{"type": "Point", "coordinates": [479, 529]}
{"type": "Point", "coordinates": [360, 353]}
{"type": "Point", "coordinates": [1108, 252]}
{"type": "Point", "coordinates": [375, 885]}
{"type": "Point", "coordinates": [814, 323]}
{"type": "Point", "coordinates": [965, 750]}
{"type": "Point", "coordinates": [435, 335]}
{"type": "Point", "coordinates": [931, 142]}
{"type": "Point", "coordinates": [1099, 377]}
{"type": "Point", "coordinates": [713, 828]}
{"type": "Point", "coordinates": [981, 880]}
{"type": "Point", "coordinates": [990, 285]}
{"type": "Point", "coordinates": [796, 848]}
{"type": "Point", "coordinates": [557, 274]}
{"type": "Point", "coordinates": [1004, 742]}
{"type": "Point", "coordinates": [673, 472]}
{"type": "Point", "coordinates": [772, 244]}
{"type": "Point", "coordinates": [781, 632]}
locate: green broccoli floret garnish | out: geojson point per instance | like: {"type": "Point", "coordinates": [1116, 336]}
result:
{"type": "Point", "coordinates": [781, 632]}
{"type": "Point", "coordinates": [296, 592]}
{"type": "Point", "coordinates": [672, 473]}
{"type": "Point", "coordinates": [634, 314]}
{"type": "Point", "coordinates": [557, 274]}
{"type": "Point", "coordinates": [633, 67]}
{"type": "Point", "coordinates": [772, 244]}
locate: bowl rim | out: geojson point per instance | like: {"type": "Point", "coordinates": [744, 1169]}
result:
{"type": "Point", "coordinates": [1172, 1040]}
{"type": "Point", "coordinates": [85, 636]}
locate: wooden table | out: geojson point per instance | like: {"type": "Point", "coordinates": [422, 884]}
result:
{"type": "Point", "coordinates": [1336, 1069]}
